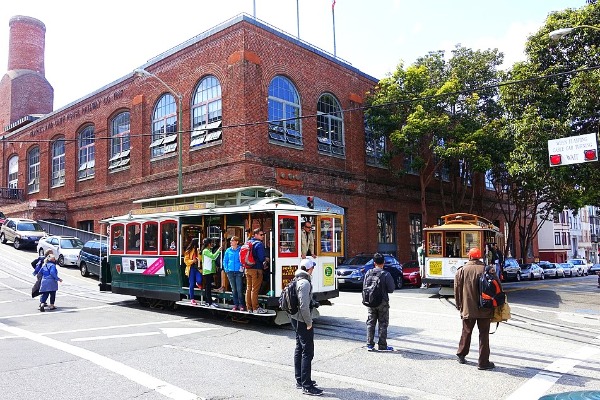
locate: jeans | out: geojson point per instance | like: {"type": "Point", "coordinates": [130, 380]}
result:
{"type": "Point", "coordinates": [381, 315]}
{"type": "Point", "coordinates": [253, 282]}
{"type": "Point", "coordinates": [45, 297]}
{"type": "Point", "coordinates": [483, 325]}
{"type": "Point", "coordinates": [208, 281]}
{"type": "Point", "coordinates": [195, 278]}
{"type": "Point", "coordinates": [237, 287]}
{"type": "Point", "coordinates": [304, 352]}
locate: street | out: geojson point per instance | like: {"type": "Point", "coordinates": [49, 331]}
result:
{"type": "Point", "coordinates": [101, 345]}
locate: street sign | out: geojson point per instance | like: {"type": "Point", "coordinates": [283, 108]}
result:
{"type": "Point", "coordinates": [573, 150]}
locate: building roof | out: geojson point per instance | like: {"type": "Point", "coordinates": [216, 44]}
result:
{"type": "Point", "coordinates": [319, 203]}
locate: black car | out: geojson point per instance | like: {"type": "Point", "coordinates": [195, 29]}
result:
{"type": "Point", "coordinates": [90, 257]}
{"type": "Point", "coordinates": [351, 273]}
{"type": "Point", "coordinates": [511, 270]}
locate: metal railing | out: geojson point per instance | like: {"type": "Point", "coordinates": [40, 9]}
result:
{"type": "Point", "coordinates": [52, 228]}
{"type": "Point", "coordinates": [12, 194]}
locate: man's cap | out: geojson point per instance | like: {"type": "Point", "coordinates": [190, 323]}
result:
{"type": "Point", "coordinates": [307, 263]}
{"type": "Point", "coordinates": [474, 253]}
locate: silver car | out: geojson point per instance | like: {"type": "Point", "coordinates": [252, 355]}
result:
{"type": "Point", "coordinates": [569, 269]}
{"type": "Point", "coordinates": [552, 270]}
{"type": "Point", "coordinates": [65, 248]}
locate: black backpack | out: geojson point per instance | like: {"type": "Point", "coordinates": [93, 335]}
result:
{"type": "Point", "coordinates": [288, 300]}
{"type": "Point", "coordinates": [372, 293]}
{"type": "Point", "coordinates": [490, 290]}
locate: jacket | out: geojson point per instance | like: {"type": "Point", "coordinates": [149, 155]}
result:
{"type": "Point", "coordinates": [304, 290]}
{"type": "Point", "coordinates": [49, 277]}
{"type": "Point", "coordinates": [258, 250]}
{"type": "Point", "coordinates": [386, 281]}
{"type": "Point", "coordinates": [208, 261]}
{"type": "Point", "coordinates": [466, 291]}
{"type": "Point", "coordinates": [189, 257]}
{"type": "Point", "coordinates": [231, 260]}
{"type": "Point", "coordinates": [305, 244]}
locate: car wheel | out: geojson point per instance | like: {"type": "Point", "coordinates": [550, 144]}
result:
{"type": "Point", "coordinates": [399, 282]}
{"type": "Point", "coordinates": [518, 278]}
{"type": "Point", "coordinates": [84, 270]}
{"type": "Point", "coordinates": [531, 277]}
{"type": "Point", "coordinates": [61, 260]}
{"type": "Point", "coordinates": [2, 238]}
{"type": "Point", "coordinates": [542, 277]}
{"type": "Point", "coordinates": [41, 252]}
{"type": "Point", "coordinates": [17, 243]}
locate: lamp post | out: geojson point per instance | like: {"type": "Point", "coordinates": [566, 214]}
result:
{"type": "Point", "coordinates": [142, 72]}
{"type": "Point", "coordinates": [560, 33]}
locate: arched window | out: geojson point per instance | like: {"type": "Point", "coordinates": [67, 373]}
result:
{"type": "Point", "coordinates": [207, 112]}
{"type": "Point", "coordinates": [13, 172]}
{"type": "Point", "coordinates": [330, 126]}
{"type": "Point", "coordinates": [58, 163]}
{"type": "Point", "coordinates": [119, 141]}
{"type": "Point", "coordinates": [284, 112]}
{"type": "Point", "coordinates": [33, 168]}
{"type": "Point", "coordinates": [164, 126]}
{"type": "Point", "coordinates": [374, 145]}
{"type": "Point", "coordinates": [87, 153]}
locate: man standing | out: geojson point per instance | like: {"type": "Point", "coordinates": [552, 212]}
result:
{"type": "Point", "coordinates": [305, 345]}
{"type": "Point", "coordinates": [381, 313]}
{"type": "Point", "coordinates": [466, 294]}
{"type": "Point", "coordinates": [307, 240]}
{"type": "Point", "coordinates": [421, 258]}
{"type": "Point", "coordinates": [254, 274]}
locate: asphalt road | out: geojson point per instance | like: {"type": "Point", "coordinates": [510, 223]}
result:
{"type": "Point", "coordinates": [101, 345]}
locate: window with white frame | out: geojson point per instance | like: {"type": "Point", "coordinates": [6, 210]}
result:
{"type": "Point", "coordinates": [284, 112]}
{"type": "Point", "coordinates": [33, 168]}
{"type": "Point", "coordinates": [13, 172]}
{"type": "Point", "coordinates": [58, 163]}
{"type": "Point", "coordinates": [374, 145]}
{"type": "Point", "coordinates": [87, 153]}
{"type": "Point", "coordinates": [207, 113]}
{"type": "Point", "coordinates": [557, 238]}
{"type": "Point", "coordinates": [164, 126]}
{"type": "Point", "coordinates": [119, 141]}
{"type": "Point", "coordinates": [330, 126]}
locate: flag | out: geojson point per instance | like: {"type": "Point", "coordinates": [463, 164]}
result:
{"type": "Point", "coordinates": [332, 5]}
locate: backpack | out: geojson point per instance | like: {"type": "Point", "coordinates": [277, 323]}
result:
{"type": "Point", "coordinates": [490, 291]}
{"type": "Point", "coordinates": [247, 254]}
{"type": "Point", "coordinates": [288, 300]}
{"type": "Point", "coordinates": [372, 293]}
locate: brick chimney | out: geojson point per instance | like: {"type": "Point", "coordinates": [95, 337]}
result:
{"type": "Point", "coordinates": [24, 90]}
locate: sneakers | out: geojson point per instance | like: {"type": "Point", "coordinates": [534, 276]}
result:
{"type": "Point", "coordinates": [260, 310]}
{"type": "Point", "coordinates": [214, 305]}
{"type": "Point", "coordinates": [370, 347]}
{"type": "Point", "coordinates": [386, 348]}
{"type": "Point", "coordinates": [242, 308]}
{"type": "Point", "coordinates": [299, 385]}
{"type": "Point", "coordinates": [312, 391]}
{"type": "Point", "coordinates": [193, 302]}
{"type": "Point", "coordinates": [235, 308]}
{"type": "Point", "coordinates": [461, 359]}
{"type": "Point", "coordinates": [42, 307]}
{"type": "Point", "coordinates": [489, 365]}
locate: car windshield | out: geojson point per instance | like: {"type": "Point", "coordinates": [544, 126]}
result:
{"type": "Point", "coordinates": [29, 226]}
{"type": "Point", "coordinates": [357, 260]}
{"type": "Point", "coordinates": [548, 266]}
{"type": "Point", "coordinates": [73, 243]}
{"type": "Point", "coordinates": [576, 262]}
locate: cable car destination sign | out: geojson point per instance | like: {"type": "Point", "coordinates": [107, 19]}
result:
{"type": "Point", "coordinates": [573, 150]}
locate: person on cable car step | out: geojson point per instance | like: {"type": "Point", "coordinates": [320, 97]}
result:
{"type": "Point", "coordinates": [235, 272]}
{"type": "Point", "coordinates": [192, 268]}
{"type": "Point", "coordinates": [209, 269]}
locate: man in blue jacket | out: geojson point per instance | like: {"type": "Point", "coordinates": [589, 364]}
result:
{"type": "Point", "coordinates": [254, 274]}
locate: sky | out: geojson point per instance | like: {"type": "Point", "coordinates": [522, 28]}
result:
{"type": "Point", "coordinates": [91, 44]}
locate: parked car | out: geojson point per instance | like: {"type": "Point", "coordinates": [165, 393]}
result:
{"type": "Point", "coordinates": [351, 273]}
{"type": "Point", "coordinates": [511, 269]}
{"type": "Point", "coordinates": [594, 269]}
{"type": "Point", "coordinates": [569, 269]}
{"type": "Point", "coordinates": [91, 255]}
{"type": "Point", "coordinates": [581, 264]}
{"type": "Point", "coordinates": [411, 273]}
{"type": "Point", "coordinates": [552, 270]}
{"type": "Point", "coordinates": [22, 232]}
{"type": "Point", "coordinates": [65, 249]}
{"type": "Point", "coordinates": [2, 218]}
{"type": "Point", "coordinates": [531, 271]}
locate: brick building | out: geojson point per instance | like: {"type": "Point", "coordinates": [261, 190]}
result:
{"type": "Point", "coordinates": [91, 159]}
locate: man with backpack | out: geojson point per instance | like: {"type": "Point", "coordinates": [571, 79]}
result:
{"type": "Point", "coordinates": [466, 294]}
{"type": "Point", "coordinates": [376, 286]}
{"type": "Point", "coordinates": [254, 272]}
{"type": "Point", "coordinates": [305, 345]}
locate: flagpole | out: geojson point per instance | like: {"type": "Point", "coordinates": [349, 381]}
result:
{"type": "Point", "coordinates": [333, 17]}
{"type": "Point", "coordinates": [298, 17]}
{"type": "Point", "coordinates": [254, 9]}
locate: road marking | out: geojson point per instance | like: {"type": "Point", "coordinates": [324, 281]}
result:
{"type": "Point", "coordinates": [56, 312]}
{"type": "Point", "coordinates": [142, 378]}
{"type": "Point", "coordinates": [545, 379]}
{"type": "Point", "coordinates": [170, 332]}
{"type": "Point", "coordinates": [352, 381]}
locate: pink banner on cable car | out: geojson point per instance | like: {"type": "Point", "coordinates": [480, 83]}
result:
{"type": "Point", "coordinates": [155, 267]}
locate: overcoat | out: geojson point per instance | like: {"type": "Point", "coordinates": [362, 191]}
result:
{"type": "Point", "coordinates": [466, 291]}
{"type": "Point", "coordinates": [49, 278]}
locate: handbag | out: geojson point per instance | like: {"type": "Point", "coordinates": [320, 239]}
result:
{"type": "Point", "coordinates": [501, 314]}
{"type": "Point", "coordinates": [35, 290]}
